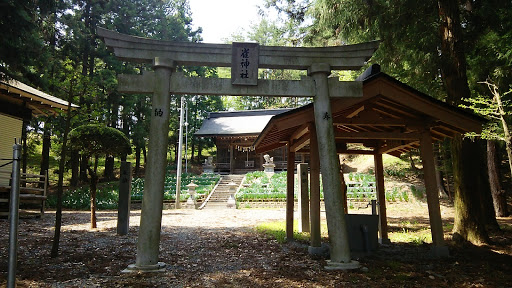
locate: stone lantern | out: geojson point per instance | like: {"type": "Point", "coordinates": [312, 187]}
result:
{"type": "Point", "coordinates": [231, 203]}
{"type": "Point", "coordinates": [191, 202]}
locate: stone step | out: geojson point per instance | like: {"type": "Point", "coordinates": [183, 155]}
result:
{"type": "Point", "coordinates": [219, 198]}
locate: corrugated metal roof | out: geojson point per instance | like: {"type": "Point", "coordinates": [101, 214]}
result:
{"type": "Point", "coordinates": [233, 123]}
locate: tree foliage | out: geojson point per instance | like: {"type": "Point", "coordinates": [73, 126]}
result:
{"type": "Point", "coordinates": [97, 139]}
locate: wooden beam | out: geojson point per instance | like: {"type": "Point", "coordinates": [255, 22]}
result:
{"type": "Point", "coordinates": [377, 135]}
{"type": "Point", "coordinates": [269, 147]}
{"type": "Point", "coordinates": [395, 146]}
{"type": "Point", "coordinates": [300, 131]}
{"type": "Point", "coordinates": [357, 152]}
{"type": "Point", "coordinates": [300, 143]}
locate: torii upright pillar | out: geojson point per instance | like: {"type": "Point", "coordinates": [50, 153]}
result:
{"type": "Point", "coordinates": [148, 244]}
{"type": "Point", "coordinates": [333, 198]}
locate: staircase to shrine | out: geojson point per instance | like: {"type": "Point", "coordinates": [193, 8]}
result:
{"type": "Point", "coordinates": [219, 196]}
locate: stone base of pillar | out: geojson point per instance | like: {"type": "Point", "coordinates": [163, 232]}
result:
{"type": "Point", "coordinates": [133, 268]}
{"type": "Point", "coordinates": [322, 251]}
{"type": "Point", "coordinates": [439, 252]}
{"type": "Point", "coordinates": [352, 265]}
{"type": "Point", "coordinates": [384, 241]}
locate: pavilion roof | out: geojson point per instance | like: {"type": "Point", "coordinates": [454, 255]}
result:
{"type": "Point", "coordinates": [16, 92]}
{"type": "Point", "coordinates": [390, 117]}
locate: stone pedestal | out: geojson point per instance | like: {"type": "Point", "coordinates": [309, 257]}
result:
{"type": "Point", "coordinates": [208, 169]}
{"type": "Point", "coordinates": [269, 167]}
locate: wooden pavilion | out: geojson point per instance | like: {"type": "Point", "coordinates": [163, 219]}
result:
{"type": "Point", "coordinates": [391, 118]}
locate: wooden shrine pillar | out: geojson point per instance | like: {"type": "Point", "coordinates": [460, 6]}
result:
{"type": "Point", "coordinates": [290, 185]}
{"type": "Point", "coordinates": [381, 196]}
{"type": "Point", "coordinates": [439, 249]}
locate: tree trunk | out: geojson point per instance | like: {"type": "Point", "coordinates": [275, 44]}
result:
{"type": "Point", "coordinates": [145, 154]}
{"type": "Point", "coordinates": [137, 160]}
{"type": "Point", "coordinates": [498, 195]}
{"type": "Point", "coordinates": [75, 164]}
{"type": "Point", "coordinates": [439, 178]}
{"type": "Point", "coordinates": [469, 222]}
{"type": "Point", "coordinates": [60, 183]}
{"type": "Point", "coordinates": [109, 168]}
{"type": "Point", "coordinates": [199, 151]}
{"type": "Point", "coordinates": [45, 154]}
{"type": "Point", "coordinates": [84, 160]}
{"type": "Point", "coordinates": [93, 188]}
{"type": "Point", "coordinates": [448, 170]}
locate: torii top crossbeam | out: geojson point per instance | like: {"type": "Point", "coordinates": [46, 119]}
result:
{"type": "Point", "coordinates": [138, 49]}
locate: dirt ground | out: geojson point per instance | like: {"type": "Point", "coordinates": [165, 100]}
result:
{"type": "Point", "coordinates": [220, 248]}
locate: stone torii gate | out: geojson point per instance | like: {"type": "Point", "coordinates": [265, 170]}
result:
{"type": "Point", "coordinates": [244, 59]}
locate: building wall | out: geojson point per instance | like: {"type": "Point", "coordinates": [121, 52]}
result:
{"type": "Point", "coordinates": [10, 128]}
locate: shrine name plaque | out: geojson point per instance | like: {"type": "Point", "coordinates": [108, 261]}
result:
{"type": "Point", "coordinates": [244, 63]}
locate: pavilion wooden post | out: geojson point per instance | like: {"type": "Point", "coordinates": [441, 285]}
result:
{"type": "Point", "coordinates": [148, 244]}
{"type": "Point", "coordinates": [436, 226]}
{"type": "Point", "coordinates": [314, 163]}
{"type": "Point", "coordinates": [333, 198]}
{"type": "Point", "coordinates": [290, 184]}
{"type": "Point", "coordinates": [303, 197]}
{"type": "Point", "coordinates": [381, 196]}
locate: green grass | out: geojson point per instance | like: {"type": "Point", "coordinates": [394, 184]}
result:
{"type": "Point", "coordinates": [417, 237]}
{"type": "Point", "coordinates": [277, 230]}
